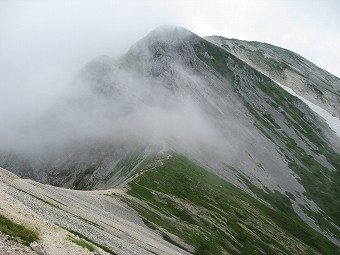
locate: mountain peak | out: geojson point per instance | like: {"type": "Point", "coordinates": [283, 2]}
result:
{"type": "Point", "coordinates": [166, 31]}
{"type": "Point", "coordinates": [168, 35]}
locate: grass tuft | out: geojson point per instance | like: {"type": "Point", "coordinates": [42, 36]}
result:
{"type": "Point", "coordinates": [80, 243]}
{"type": "Point", "coordinates": [10, 228]}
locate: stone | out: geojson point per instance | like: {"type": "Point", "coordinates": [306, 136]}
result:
{"type": "Point", "coordinates": [37, 248]}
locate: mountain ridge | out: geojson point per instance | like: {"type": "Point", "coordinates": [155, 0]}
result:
{"type": "Point", "coordinates": [178, 93]}
{"type": "Point", "coordinates": [305, 78]}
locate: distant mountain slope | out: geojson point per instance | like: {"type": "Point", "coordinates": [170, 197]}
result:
{"type": "Point", "coordinates": [174, 93]}
{"type": "Point", "coordinates": [288, 68]}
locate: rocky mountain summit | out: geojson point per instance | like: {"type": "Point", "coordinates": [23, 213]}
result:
{"type": "Point", "coordinates": [199, 145]}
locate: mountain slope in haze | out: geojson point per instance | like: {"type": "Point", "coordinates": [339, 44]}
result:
{"type": "Point", "coordinates": [194, 112]}
{"type": "Point", "coordinates": [288, 68]}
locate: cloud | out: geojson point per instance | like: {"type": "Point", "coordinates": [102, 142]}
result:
{"type": "Point", "coordinates": [140, 111]}
{"type": "Point", "coordinates": [45, 43]}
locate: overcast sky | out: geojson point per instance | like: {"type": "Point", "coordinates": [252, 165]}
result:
{"type": "Point", "coordinates": [44, 43]}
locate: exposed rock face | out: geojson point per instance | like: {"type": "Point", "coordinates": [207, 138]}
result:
{"type": "Point", "coordinates": [288, 68]}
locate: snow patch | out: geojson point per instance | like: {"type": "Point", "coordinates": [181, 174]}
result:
{"type": "Point", "coordinates": [333, 122]}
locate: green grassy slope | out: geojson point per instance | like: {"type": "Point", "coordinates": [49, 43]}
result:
{"type": "Point", "coordinates": [216, 217]}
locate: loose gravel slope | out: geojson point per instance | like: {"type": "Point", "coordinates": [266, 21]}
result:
{"type": "Point", "coordinates": [98, 216]}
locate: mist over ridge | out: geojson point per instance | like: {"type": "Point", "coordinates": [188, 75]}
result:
{"type": "Point", "coordinates": [165, 94]}
{"type": "Point", "coordinates": [122, 106]}
{"type": "Point", "coordinates": [216, 134]}
{"type": "Point", "coordinates": [117, 104]}
{"type": "Point", "coordinates": [176, 95]}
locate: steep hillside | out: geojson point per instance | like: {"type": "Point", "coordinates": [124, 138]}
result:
{"type": "Point", "coordinates": [287, 122]}
{"type": "Point", "coordinates": [216, 217]}
{"type": "Point", "coordinates": [199, 137]}
{"type": "Point", "coordinates": [288, 68]}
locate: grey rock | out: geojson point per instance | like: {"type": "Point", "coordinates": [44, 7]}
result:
{"type": "Point", "coordinates": [37, 248]}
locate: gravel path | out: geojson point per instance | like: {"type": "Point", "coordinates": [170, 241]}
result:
{"type": "Point", "coordinates": [97, 215]}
